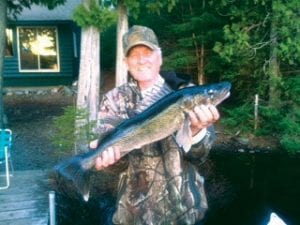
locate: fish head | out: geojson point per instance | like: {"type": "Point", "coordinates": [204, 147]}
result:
{"type": "Point", "coordinates": [212, 93]}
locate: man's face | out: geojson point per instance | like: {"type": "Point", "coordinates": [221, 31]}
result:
{"type": "Point", "coordinates": [143, 63]}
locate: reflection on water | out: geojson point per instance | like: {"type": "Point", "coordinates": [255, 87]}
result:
{"type": "Point", "coordinates": [242, 189]}
{"type": "Point", "coordinates": [259, 184]}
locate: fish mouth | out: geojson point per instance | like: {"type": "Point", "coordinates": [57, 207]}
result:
{"type": "Point", "coordinates": [223, 97]}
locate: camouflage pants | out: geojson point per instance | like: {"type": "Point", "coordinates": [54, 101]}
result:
{"type": "Point", "coordinates": [160, 189]}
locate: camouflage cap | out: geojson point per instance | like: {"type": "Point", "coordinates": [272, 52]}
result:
{"type": "Point", "coordinates": [139, 35]}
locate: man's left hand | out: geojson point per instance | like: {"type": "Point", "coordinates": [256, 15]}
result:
{"type": "Point", "coordinates": [202, 117]}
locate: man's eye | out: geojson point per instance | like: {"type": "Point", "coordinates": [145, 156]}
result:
{"type": "Point", "coordinates": [133, 55]}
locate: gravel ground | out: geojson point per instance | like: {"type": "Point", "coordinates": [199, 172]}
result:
{"type": "Point", "coordinates": [30, 117]}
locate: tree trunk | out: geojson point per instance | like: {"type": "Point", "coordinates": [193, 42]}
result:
{"type": "Point", "coordinates": [3, 10]}
{"type": "Point", "coordinates": [201, 75]}
{"type": "Point", "coordinates": [199, 59]}
{"type": "Point", "coordinates": [274, 71]}
{"type": "Point", "coordinates": [121, 71]}
{"type": "Point", "coordinates": [88, 85]}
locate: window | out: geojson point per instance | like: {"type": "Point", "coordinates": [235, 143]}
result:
{"type": "Point", "coordinates": [9, 43]}
{"type": "Point", "coordinates": [38, 49]}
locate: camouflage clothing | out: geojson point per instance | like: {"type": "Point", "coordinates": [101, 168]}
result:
{"type": "Point", "coordinates": [159, 187]}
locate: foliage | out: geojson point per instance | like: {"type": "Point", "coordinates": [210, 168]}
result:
{"type": "Point", "coordinates": [290, 123]}
{"type": "Point", "coordinates": [269, 118]}
{"type": "Point", "coordinates": [15, 7]}
{"type": "Point", "coordinates": [195, 28]}
{"type": "Point", "coordinates": [157, 5]}
{"type": "Point", "coordinates": [272, 122]}
{"type": "Point", "coordinates": [239, 119]}
{"type": "Point", "coordinates": [283, 123]}
{"type": "Point", "coordinates": [94, 15]}
{"type": "Point", "coordinates": [291, 143]}
{"type": "Point", "coordinates": [64, 136]}
{"type": "Point", "coordinates": [108, 50]}
{"type": "Point", "coordinates": [261, 52]}
{"type": "Point", "coordinates": [64, 125]}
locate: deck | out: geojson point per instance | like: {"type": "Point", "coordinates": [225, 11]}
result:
{"type": "Point", "coordinates": [25, 202]}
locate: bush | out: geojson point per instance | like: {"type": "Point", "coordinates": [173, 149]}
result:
{"type": "Point", "coordinates": [290, 130]}
{"type": "Point", "coordinates": [64, 125]}
{"type": "Point", "coordinates": [281, 123]}
{"type": "Point", "coordinates": [65, 137]}
{"type": "Point", "coordinates": [239, 119]}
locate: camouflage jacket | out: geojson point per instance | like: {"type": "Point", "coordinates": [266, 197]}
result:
{"type": "Point", "coordinates": [159, 186]}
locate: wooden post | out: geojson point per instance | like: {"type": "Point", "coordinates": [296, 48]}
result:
{"type": "Point", "coordinates": [52, 212]}
{"type": "Point", "coordinates": [256, 111]}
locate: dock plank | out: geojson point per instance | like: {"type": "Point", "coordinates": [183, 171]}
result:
{"type": "Point", "coordinates": [26, 221]}
{"type": "Point", "coordinates": [25, 202]}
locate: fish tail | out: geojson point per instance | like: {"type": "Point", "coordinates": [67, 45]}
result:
{"type": "Point", "coordinates": [74, 171]}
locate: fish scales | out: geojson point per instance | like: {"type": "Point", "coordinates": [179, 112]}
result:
{"type": "Point", "coordinates": [153, 129]}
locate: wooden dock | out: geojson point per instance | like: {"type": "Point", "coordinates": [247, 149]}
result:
{"type": "Point", "coordinates": [25, 202]}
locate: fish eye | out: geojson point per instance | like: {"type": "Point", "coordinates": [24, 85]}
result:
{"type": "Point", "coordinates": [211, 93]}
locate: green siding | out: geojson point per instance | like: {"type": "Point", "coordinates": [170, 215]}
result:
{"type": "Point", "coordinates": [68, 64]}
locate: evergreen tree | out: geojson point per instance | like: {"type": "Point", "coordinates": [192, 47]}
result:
{"type": "Point", "coordinates": [261, 48]}
{"type": "Point", "coordinates": [196, 28]}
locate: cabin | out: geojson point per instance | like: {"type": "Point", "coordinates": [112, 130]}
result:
{"type": "Point", "coordinates": [42, 47]}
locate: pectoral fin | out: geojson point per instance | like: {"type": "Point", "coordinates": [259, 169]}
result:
{"type": "Point", "coordinates": [184, 135]}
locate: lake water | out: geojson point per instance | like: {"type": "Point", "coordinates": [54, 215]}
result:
{"type": "Point", "coordinates": [242, 189]}
{"type": "Point", "coordinates": [258, 183]}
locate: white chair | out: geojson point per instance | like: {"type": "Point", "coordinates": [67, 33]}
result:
{"type": "Point", "coordinates": [5, 158]}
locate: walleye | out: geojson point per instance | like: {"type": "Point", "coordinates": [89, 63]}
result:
{"type": "Point", "coordinates": [157, 122]}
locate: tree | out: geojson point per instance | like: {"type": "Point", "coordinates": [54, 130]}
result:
{"type": "Point", "coordinates": [122, 27]}
{"type": "Point", "coordinates": [195, 27]}
{"type": "Point", "coordinates": [14, 7]}
{"type": "Point", "coordinates": [261, 48]}
{"type": "Point", "coordinates": [92, 18]}
{"type": "Point", "coordinates": [264, 37]}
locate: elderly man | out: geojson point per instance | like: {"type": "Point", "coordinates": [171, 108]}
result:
{"type": "Point", "coordinates": [159, 185]}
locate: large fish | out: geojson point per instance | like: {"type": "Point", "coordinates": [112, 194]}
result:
{"type": "Point", "coordinates": [159, 121]}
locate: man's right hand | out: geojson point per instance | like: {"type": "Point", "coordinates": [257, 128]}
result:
{"type": "Point", "coordinates": [107, 158]}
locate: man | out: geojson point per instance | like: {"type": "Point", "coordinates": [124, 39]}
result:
{"type": "Point", "coordinates": [159, 186]}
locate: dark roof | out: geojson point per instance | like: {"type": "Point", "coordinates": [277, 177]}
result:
{"type": "Point", "coordinates": [62, 12]}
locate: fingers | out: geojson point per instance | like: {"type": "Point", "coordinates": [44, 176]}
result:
{"type": "Point", "coordinates": [215, 113]}
{"type": "Point", "coordinates": [107, 158]}
{"type": "Point", "coordinates": [207, 113]}
{"type": "Point", "coordinates": [203, 116]}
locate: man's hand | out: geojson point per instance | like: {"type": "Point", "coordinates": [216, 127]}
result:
{"type": "Point", "coordinates": [107, 158]}
{"type": "Point", "coordinates": [203, 116]}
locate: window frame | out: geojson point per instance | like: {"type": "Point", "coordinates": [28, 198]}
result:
{"type": "Point", "coordinates": [38, 70]}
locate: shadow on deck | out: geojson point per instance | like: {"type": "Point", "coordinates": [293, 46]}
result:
{"type": "Point", "coordinates": [25, 202]}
